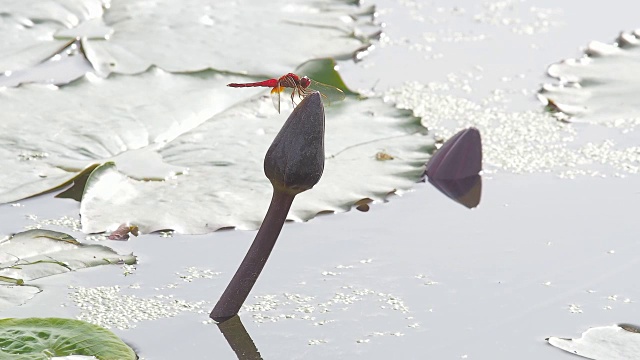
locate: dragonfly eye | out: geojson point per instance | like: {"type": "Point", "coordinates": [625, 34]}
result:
{"type": "Point", "coordinates": [305, 82]}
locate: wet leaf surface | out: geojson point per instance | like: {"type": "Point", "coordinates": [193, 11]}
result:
{"type": "Point", "coordinates": [602, 343]}
{"type": "Point", "coordinates": [35, 254]}
{"type": "Point", "coordinates": [211, 35]}
{"type": "Point", "coordinates": [43, 338]}
{"type": "Point", "coordinates": [602, 86]}
{"type": "Point", "coordinates": [225, 185]}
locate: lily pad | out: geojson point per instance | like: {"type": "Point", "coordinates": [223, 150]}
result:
{"type": "Point", "coordinates": [129, 36]}
{"type": "Point", "coordinates": [43, 338]}
{"type": "Point", "coordinates": [603, 343]}
{"type": "Point", "coordinates": [16, 295]}
{"type": "Point", "coordinates": [600, 87]}
{"type": "Point", "coordinates": [225, 186]}
{"type": "Point", "coordinates": [183, 161]}
{"type": "Point", "coordinates": [50, 135]}
{"type": "Point", "coordinates": [38, 253]}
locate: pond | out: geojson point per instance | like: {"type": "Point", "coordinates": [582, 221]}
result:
{"type": "Point", "coordinates": [548, 252]}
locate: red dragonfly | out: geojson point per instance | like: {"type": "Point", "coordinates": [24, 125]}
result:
{"type": "Point", "coordinates": [302, 87]}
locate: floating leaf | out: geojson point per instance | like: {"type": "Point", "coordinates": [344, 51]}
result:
{"type": "Point", "coordinates": [206, 34]}
{"type": "Point", "coordinates": [38, 253]}
{"type": "Point", "coordinates": [603, 343]}
{"type": "Point", "coordinates": [206, 163]}
{"type": "Point", "coordinates": [34, 254]}
{"type": "Point", "coordinates": [324, 71]}
{"type": "Point", "coordinates": [225, 185]}
{"type": "Point", "coordinates": [51, 135]}
{"type": "Point", "coordinates": [43, 338]}
{"type": "Point", "coordinates": [15, 295]}
{"type": "Point", "coordinates": [601, 87]}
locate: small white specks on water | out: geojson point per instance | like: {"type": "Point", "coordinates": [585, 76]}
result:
{"type": "Point", "coordinates": [575, 309]}
{"type": "Point", "coordinates": [607, 307]}
{"type": "Point", "coordinates": [317, 342]}
{"type": "Point", "coordinates": [414, 325]}
{"type": "Point", "coordinates": [611, 252]}
{"type": "Point", "coordinates": [323, 322]}
{"type": "Point", "coordinates": [17, 205]}
{"type": "Point", "coordinates": [344, 267]}
{"type": "Point", "coordinates": [330, 273]}
{"type": "Point", "coordinates": [105, 306]}
{"type": "Point", "coordinates": [128, 269]}
{"type": "Point", "coordinates": [548, 283]}
{"type": "Point", "coordinates": [96, 237]}
{"type": "Point", "coordinates": [362, 341]}
{"type": "Point", "coordinates": [612, 297]}
{"type": "Point", "coordinates": [626, 301]}
{"type": "Point", "coordinates": [518, 142]}
{"type": "Point", "coordinates": [66, 222]}
{"type": "Point", "coordinates": [193, 273]}
{"type": "Point", "coordinates": [591, 291]}
{"type": "Point", "coordinates": [366, 261]}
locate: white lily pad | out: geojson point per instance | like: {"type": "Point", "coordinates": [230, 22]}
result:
{"type": "Point", "coordinates": [49, 135]}
{"type": "Point", "coordinates": [602, 343]}
{"type": "Point", "coordinates": [225, 185]}
{"type": "Point", "coordinates": [206, 162]}
{"type": "Point", "coordinates": [33, 254]}
{"type": "Point", "coordinates": [129, 36]}
{"type": "Point", "coordinates": [43, 338]}
{"type": "Point", "coordinates": [16, 295]}
{"type": "Point", "coordinates": [601, 87]}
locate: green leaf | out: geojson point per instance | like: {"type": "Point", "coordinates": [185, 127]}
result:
{"type": "Point", "coordinates": [43, 338]}
{"type": "Point", "coordinates": [324, 71]}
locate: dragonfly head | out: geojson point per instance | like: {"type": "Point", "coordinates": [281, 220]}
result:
{"type": "Point", "coordinates": [305, 82]}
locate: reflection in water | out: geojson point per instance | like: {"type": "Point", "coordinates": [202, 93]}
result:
{"type": "Point", "coordinates": [466, 191]}
{"type": "Point", "coordinates": [239, 339]}
{"type": "Point", "coordinates": [454, 169]}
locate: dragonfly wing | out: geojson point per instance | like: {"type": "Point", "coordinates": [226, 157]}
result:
{"type": "Point", "coordinates": [275, 96]}
{"type": "Point", "coordinates": [330, 94]}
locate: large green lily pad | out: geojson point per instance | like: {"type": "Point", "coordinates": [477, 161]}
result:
{"type": "Point", "coordinates": [43, 338]}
